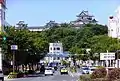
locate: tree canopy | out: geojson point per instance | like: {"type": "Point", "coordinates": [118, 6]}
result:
{"type": "Point", "coordinates": [34, 45]}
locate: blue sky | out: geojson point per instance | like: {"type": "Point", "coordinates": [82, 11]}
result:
{"type": "Point", "coordinates": [39, 12]}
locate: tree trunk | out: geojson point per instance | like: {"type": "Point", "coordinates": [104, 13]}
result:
{"type": "Point", "coordinates": [26, 67]}
{"type": "Point", "coordinates": [22, 67]}
{"type": "Point", "coordinates": [37, 66]}
{"type": "Point", "coordinates": [29, 66]}
{"type": "Point", "coordinates": [32, 67]}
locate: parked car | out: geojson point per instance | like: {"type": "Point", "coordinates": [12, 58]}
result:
{"type": "Point", "coordinates": [92, 69]}
{"type": "Point", "coordinates": [85, 70]}
{"type": "Point", "coordinates": [48, 71]}
{"type": "Point", "coordinates": [1, 75]}
{"type": "Point", "coordinates": [63, 71]}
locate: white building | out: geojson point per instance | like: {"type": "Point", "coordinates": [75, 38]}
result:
{"type": "Point", "coordinates": [2, 14]}
{"type": "Point", "coordinates": [55, 48]}
{"type": "Point", "coordinates": [114, 25]}
{"type": "Point", "coordinates": [56, 53]}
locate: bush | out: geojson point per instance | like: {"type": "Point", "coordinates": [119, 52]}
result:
{"type": "Point", "coordinates": [85, 77]}
{"type": "Point", "coordinates": [100, 79]}
{"type": "Point", "coordinates": [99, 67]}
{"type": "Point", "coordinates": [31, 71]}
{"type": "Point", "coordinates": [12, 75]}
{"type": "Point", "coordinates": [99, 73]}
{"type": "Point", "coordinates": [20, 74]}
{"type": "Point", "coordinates": [114, 74]}
{"type": "Point", "coordinates": [73, 69]}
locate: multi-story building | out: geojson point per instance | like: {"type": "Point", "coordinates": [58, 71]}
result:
{"type": "Point", "coordinates": [114, 25]}
{"type": "Point", "coordinates": [56, 53]}
{"type": "Point", "coordinates": [83, 18]}
{"type": "Point", "coordinates": [2, 14]}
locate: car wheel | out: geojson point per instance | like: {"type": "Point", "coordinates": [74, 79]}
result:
{"type": "Point", "coordinates": [45, 75]}
{"type": "Point", "coordinates": [52, 74]}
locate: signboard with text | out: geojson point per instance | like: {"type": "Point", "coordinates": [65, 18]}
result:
{"type": "Point", "coordinates": [14, 47]}
{"type": "Point", "coordinates": [107, 56]}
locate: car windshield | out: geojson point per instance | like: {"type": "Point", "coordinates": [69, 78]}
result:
{"type": "Point", "coordinates": [48, 69]}
{"type": "Point", "coordinates": [85, 68]}
{"type": "Point", "coordinates": [92, 69]}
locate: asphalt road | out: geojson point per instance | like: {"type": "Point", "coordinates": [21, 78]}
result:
{"type": "Point", "coordinates": [55, 77]}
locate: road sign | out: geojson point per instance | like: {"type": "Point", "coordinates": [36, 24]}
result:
{"type": "Point", "coordinates": [107, 56]}
{"type": "Point", "coordinates": [14, 47]}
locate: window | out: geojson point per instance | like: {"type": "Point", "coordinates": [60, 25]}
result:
{"type": "Point", "coordinates": [50, 48]}
{"type": "Point", "coordinates": [58, 58]}
{"type": "Point", "coordinates": [4, 15]}
{"type": "Point", "coordinates": [58, 48]}
{"type": "Point", "coordinates": [54, 48]}
{"type": "Point", "coordinates": [54, 58]}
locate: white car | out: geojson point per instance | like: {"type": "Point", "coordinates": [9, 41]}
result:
{"type": "Point", "coordinates": [92, 69]}
{"type": "Point", "coordinates": [1, 75]}
{"type": "Point", "coordinates": [85, 70]}
{"type": "Point", "coordinates": [48, 71]}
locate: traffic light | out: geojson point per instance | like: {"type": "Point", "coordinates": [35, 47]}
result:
{"type": "Point", "coordinates": [3, 38]}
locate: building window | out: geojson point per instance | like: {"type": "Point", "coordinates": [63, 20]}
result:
{"type": "Point", "coordinates": [58, 48]}
{"type": "Point", "coordinates": [4, 15]}
{"type": "Point", "coordinates": [50, 48]}
{"type": "Point", "coordinates": [54, 48]}
{"type": "Point", "coordinates": [58, 58]}
{"type": "Point", "coordinates": [54, 58]}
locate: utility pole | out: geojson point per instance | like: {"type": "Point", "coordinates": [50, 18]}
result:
{"type": "Point", "coordinates": [14, 47]}
{"type": "Point", "coordinates": [13, 61]}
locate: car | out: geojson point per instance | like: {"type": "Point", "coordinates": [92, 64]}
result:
{"type": "Point", "coordinates": [52, 68]}
{"type": "Point", "coordinates": [85, 70]}
{"type": "Point", "coordinates": [92, 69]}
{"type": "Point", "coordinates": [1, 75]}
{"type": "Point", "coordinates": [48, 71]}
{"type": "Point", "coordinates": [63, 71]}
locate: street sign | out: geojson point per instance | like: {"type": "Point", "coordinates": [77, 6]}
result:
{"type": "Point", "coordinates": [14, 47]}
{"type": "Point", "coordinates": [107, 56]}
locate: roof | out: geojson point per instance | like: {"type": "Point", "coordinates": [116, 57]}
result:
{"type": "Point", "coordinates": [54, 55]}
{"type": "Point", "coordinates": [33, 27]}
{"type": "Point", "coordinates": [36, 27]}
{"type": "Point", "coordinates": [65, 54]}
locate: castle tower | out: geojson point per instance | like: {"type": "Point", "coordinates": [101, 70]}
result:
{"type": "Point", "coordinates": [2, 14]}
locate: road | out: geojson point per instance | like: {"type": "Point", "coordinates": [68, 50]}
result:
{"type": "Point", "coordinates": [55, 77]}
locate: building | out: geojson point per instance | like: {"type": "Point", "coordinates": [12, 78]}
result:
{"type": "Point", "coordinates": [23, 25]}
{"type": "Point", "coordinates": [56, 53]}
{"type": "Point", "coordinates": [36, 28]}
{"type": "Point", "coordinates": [114, 25]}
{"type": "Point", "coordinates": [83, 18]}
{"type": "Point", "coordinates": [2, 14]}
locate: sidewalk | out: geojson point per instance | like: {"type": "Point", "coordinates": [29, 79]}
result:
{"type": "Point", "coordinates": [5, 78]}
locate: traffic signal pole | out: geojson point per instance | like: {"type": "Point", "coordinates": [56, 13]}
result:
{"type": "Point", "coordinates": [13, 61]}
